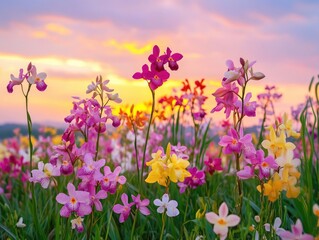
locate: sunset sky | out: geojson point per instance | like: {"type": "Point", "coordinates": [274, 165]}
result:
{"type": "Point", "coordinates": [74, 41]}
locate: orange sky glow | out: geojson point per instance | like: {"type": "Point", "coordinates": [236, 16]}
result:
{"type": "Point", "coordinates": [73, 47]}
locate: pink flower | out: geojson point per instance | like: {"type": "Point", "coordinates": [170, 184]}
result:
{"type": "Point", "coordinates": [110, 180]}
{"type": "Point", "coordinates": [44, 173]}
{"type": "Point", "coordinates": [76, 201]}
{"type": "Point", "coordinates": [213, 164]}
{"type": "Point", "coordinates": [124, 210]}
{"type": "Point", "coordinates": [156, 60]}
{"type": "Point", "coordinates": [91, 167]}
{"type": "Point", "coordinates": [249, 107]}
{"type": "Point", "coordinates": [141, 205]}
{"type": "Point", "coordinates": [172, 59]}
{"type": "Point", "coordinates": [222, 221]}
{"type": "Point", "coordinates": [95, 198]}
{"type": "Point", "coordinates": [15, 81]}
{"type": "Point", "coordinates": [296, 233]}
{"type": "Point", "coordinates": [196, 179]}
{"type": "Point", "coordinates": [37, 79]}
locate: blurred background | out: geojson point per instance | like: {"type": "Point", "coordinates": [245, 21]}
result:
{"type": "Point", "coordinates": [74, 41]}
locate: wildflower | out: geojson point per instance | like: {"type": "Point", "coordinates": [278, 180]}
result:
{"type": "Point", "coordinates": [272, 188]}
{"type": "Point", "coordinates": [124, 210]}
{"type": "Point", "coordinates": [166, 205]}
{"type": "Point", "coordinates": [235, 143]}
{"type": "Point", "coordinates": [222, 221]}
{"type": "Point", "coordinates": [249, 107]}
{"type": "Point", "coordinates": [95, 198]}
{"type": "Point", "coordinates": [77, 224]}
{"type": "Point", "coordinates": [20, 223]}
{"type": "Point", "coordinates": [277, 146]}
{"type": "Point", "coordinates": [76, 201]}
{"type": "Point", "coordinates": [91, 167]}
{"type": "Point", "coordinates": [287, 127]}
{"type": "Point", "coordinates": [296, 233]}
{"type": "Point", "coordinates": [15, 81]}
{"type": "Point", "coordinates": [276, 227]}
{"type": "Point", "coordinates": [213, 164]}
{"type": "Point", "coordinates": [196, 179]}
{"type": "Point", "coordinates": [37, 79]}
{"type": "Point", "coordinates": [141, 205]}
{"type": "Point", "coordinates": [44, 173]}
{"type": "Point", "coordinates": [315, 210]}
{"type": "Point", "coordinates": [172, 59]}
{"type": "Point", "coordinates": [110, 180]}
{"type": "Point", "coordinates": [170, 167]}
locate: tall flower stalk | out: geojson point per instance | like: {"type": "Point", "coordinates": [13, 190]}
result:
{"type": "Point", "coordinates": [156, 75]}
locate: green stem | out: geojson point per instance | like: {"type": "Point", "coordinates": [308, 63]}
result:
{"type": "Point", "coordinates": [136, 153]}
{"type": "Point", "coordinates": [147, 134]}
{"type": "Point", "coordinates": [134, 224]}
{"type": "Point", "coordinates": [88, 233]}
{"type": "Point", "coordinates": [163, 225]}
{"type": "Point", "coordinates": [110, 217]}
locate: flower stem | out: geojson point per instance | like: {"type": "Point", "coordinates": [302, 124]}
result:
{"type": "Point", "coordinates": [134, 224]}
{"type": "Point", "coordinates": [148, 133]}
{"type": "Point", "coordinates": [136, 152]}
{"type": "Point", "coordinates": [163, 225]}
{"type": "Point", "coordinates": [110, 217]}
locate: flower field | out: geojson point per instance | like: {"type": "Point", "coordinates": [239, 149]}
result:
{"type": "Point", "coordinates": [169, 172]}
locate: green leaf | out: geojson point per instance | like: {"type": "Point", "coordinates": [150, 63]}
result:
{"type": "Point", "coordinates": [4, 228]}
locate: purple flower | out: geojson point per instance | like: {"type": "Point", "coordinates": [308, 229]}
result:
{"type": "Point", "coordinates": [141, 205]}
{"type": "Point", "coordinates": [110, 180]}
{"type": "Point", "coordinates": [124, 210]}
{"type": "Point", "coordinates": [296, 233]}
{"type": "Point", "coordinates": [213, 164]}
{"type": "Point", "coordinates": [196, 179]}
{"type": "Point", "coordinates": [249, 107]}
{"type": "Point", "coordinates": [76, 201]}
{"type": "Point", "coordinates": [172, 59]}
{"type": "Point", "coordinates": [156, 60]}
{"type": "Point", "coordinates": [91, 167]}
{"type": "Point", "coordinates": [95, 198]}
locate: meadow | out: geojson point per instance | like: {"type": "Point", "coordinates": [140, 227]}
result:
{"type": "Point", "coordinates": [169, 172]}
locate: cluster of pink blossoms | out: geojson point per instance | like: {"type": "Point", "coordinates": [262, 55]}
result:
{"type": "Point", "coordinates": [156, 74]}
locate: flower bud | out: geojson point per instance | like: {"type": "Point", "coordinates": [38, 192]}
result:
{"type": "Point", "coordinates": [257, 76]}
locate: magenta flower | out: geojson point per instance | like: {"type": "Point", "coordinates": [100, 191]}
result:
{"type": "Point", "coordinates": [196, 179]}
{"type": "Point", "coordinates": [156, 60]}
{"type": "Point", "coordinates": [110, 180]}
{"type": "Point", "coordinates": [226, 97]}
{"type": "Point", "coordinates": [172, 59]}
{"type": "Point", "coordinates": [124, 210]}
{"type": "Point", "coordinates": [296, 233]}
{"type": "Point", "coordinates": [258, 161]}
{"type": "Point", "coordinates": [234, 143]}
{"type": "Point", "coordinates": [141, 205]}
{"type": "Point", "coordinates": [249, 107]}
{"type": "Point", "coordinates": [37, 79]}
{"type": "Point", "coordinates": [15, 81]}
{"type": "Point", "coordinates": [44, 173]}
{"type": "Point", "coordinates": [76, 201]}
{"type": "Point", "coordinates": [213, 164]}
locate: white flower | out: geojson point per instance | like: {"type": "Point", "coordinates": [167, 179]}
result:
{"type": "Point", "coordinates": [165, 204]}
{"type": "Point", "coordinates": [222, 221]}
{"type": "Point", "coordinates": [20, 223]}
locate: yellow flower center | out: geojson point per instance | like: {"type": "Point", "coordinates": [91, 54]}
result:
{"type": "Point", "coordinates": [222, 222]}
{"type": "Point", "coordinates": [73, 200]}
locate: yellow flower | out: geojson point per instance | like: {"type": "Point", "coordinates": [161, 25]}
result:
{"type": "Point", "coordinates": [272, 188]}
{"type": "Point", "coordinates": [277, 146]}
{"type": "Point", "coordinates": [167, 168]}
{"type": "Point", "coordinates": [287, 127]}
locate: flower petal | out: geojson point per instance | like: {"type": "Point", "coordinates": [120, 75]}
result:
{"type": "Point", "coordinates": [223, 210]}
